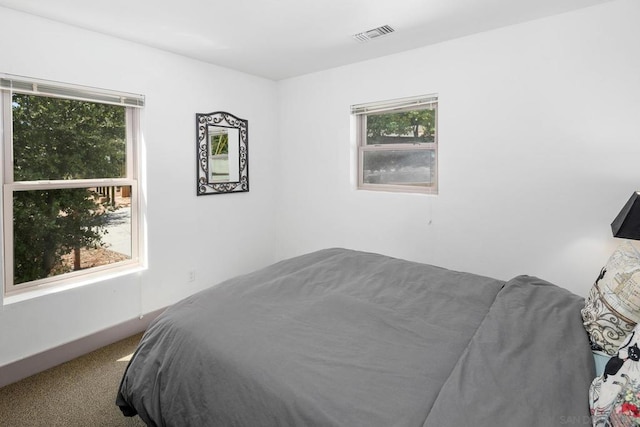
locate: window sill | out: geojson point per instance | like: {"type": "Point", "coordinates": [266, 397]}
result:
{"type": "Point", "coordinates": [399, 189]}
{"type": "Point", "coordinates": [29, 294]}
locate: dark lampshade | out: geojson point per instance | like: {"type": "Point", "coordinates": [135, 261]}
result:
{"type": "Point", "coordinates": [627, 223]}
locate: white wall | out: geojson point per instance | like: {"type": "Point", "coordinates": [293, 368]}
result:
{"type": "Point", "coordinates": [217, 236]}
{"type": "Point", "coordinates": [539, 127]}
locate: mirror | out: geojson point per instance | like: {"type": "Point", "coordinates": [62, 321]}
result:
{"type": "Point", "coordinates": [222, 148]}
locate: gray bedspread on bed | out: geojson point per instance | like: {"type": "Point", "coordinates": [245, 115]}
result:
{"type": "Point", "coordinates": [346, 338]}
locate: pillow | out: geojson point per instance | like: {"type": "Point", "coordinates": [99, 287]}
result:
{"type": "Point", "coordinates": [614, 397]}
{"type": "Point", "coordinates": [612, 308]}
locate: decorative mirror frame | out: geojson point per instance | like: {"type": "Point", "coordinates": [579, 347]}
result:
{"type": "Point", "coordinates": [221, 119]}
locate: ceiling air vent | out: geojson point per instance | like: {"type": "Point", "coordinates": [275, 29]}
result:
{"type": "Point", "coordinates": [372, 34]}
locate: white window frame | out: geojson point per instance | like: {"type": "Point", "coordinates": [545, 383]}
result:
{"type": "Point", "coordinates": [361, 111]}
{"type": "Point", "coordinates": [132, 103]}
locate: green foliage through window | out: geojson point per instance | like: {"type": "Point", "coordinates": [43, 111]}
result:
{"type": "Point", "coordinates": [398, 144]}
{"type": "Point", "coordinates": [57, 138]}
{"type": "Point", "coordinates": [413, 126]}
{"type": "Point", "coordinates": [60, 139]}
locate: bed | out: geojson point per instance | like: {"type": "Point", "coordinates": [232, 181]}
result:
{"type": "Point", "coordinates": [346, 338]}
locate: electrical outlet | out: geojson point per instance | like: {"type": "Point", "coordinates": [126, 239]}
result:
{"type": "Point", "coordinates": [192, 276]}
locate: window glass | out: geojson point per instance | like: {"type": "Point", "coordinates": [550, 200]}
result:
{"type": "Point", "coordinates": [409, 167]}
{"type": "Point", "coordinates": [58, 231]}
{"type": "Point", "coordinates": [398, 145]}
{"type": "Point", "coordinates": [56, 139]}
{"type": "Point", "coordinates": [412, 127]}
{"type": "Point", "coordinates": [71, 202]}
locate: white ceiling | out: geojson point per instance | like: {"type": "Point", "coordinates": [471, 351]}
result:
{"type": "Point", "coordinates": [277, 39]}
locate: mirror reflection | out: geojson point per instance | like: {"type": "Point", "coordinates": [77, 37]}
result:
{"type": "Point", "coordinates": [223, 154]}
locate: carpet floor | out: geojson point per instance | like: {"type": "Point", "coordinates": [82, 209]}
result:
{"type": "Point", "coordinates": [81, 392]}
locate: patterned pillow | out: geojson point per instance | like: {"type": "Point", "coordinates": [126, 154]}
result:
{"type": "Point", "coordinates": [612, 308]}
{"type": "Point", "coordinates": [614, 397]}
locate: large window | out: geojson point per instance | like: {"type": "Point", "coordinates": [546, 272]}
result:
{"type": "Point", "coordinates": [70, 193]}
{"type": "Point", "coordinates": [398, 145]}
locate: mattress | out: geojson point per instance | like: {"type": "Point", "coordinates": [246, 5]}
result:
{"type": "Point", "coordinates": [347, 338]}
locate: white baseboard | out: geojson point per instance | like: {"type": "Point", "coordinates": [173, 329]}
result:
{"type": "Point", "coordinates": [31, 365]}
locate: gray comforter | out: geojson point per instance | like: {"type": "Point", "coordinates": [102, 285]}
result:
{"type": "Point", "coordinates": [346, 338]}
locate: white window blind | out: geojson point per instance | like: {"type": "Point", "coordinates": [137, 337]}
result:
{"type": "Point", "coordinates": [26, 85]}
{"type": "Point", "coordinates": [396, 104]}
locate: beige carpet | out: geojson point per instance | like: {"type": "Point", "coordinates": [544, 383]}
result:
{"type": "Point", "coordinates": [81, 392]}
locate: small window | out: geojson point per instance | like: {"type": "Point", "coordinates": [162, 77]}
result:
{"type": "Point", "coordinates": [70, 182]}
{"type": "Point", "coordinates": [398, 145]}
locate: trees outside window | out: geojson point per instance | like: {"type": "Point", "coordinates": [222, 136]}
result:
{"type": "Point", "coordinates": [70, 184]}
{"type": "Point", "coordinates": [397, 145]}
